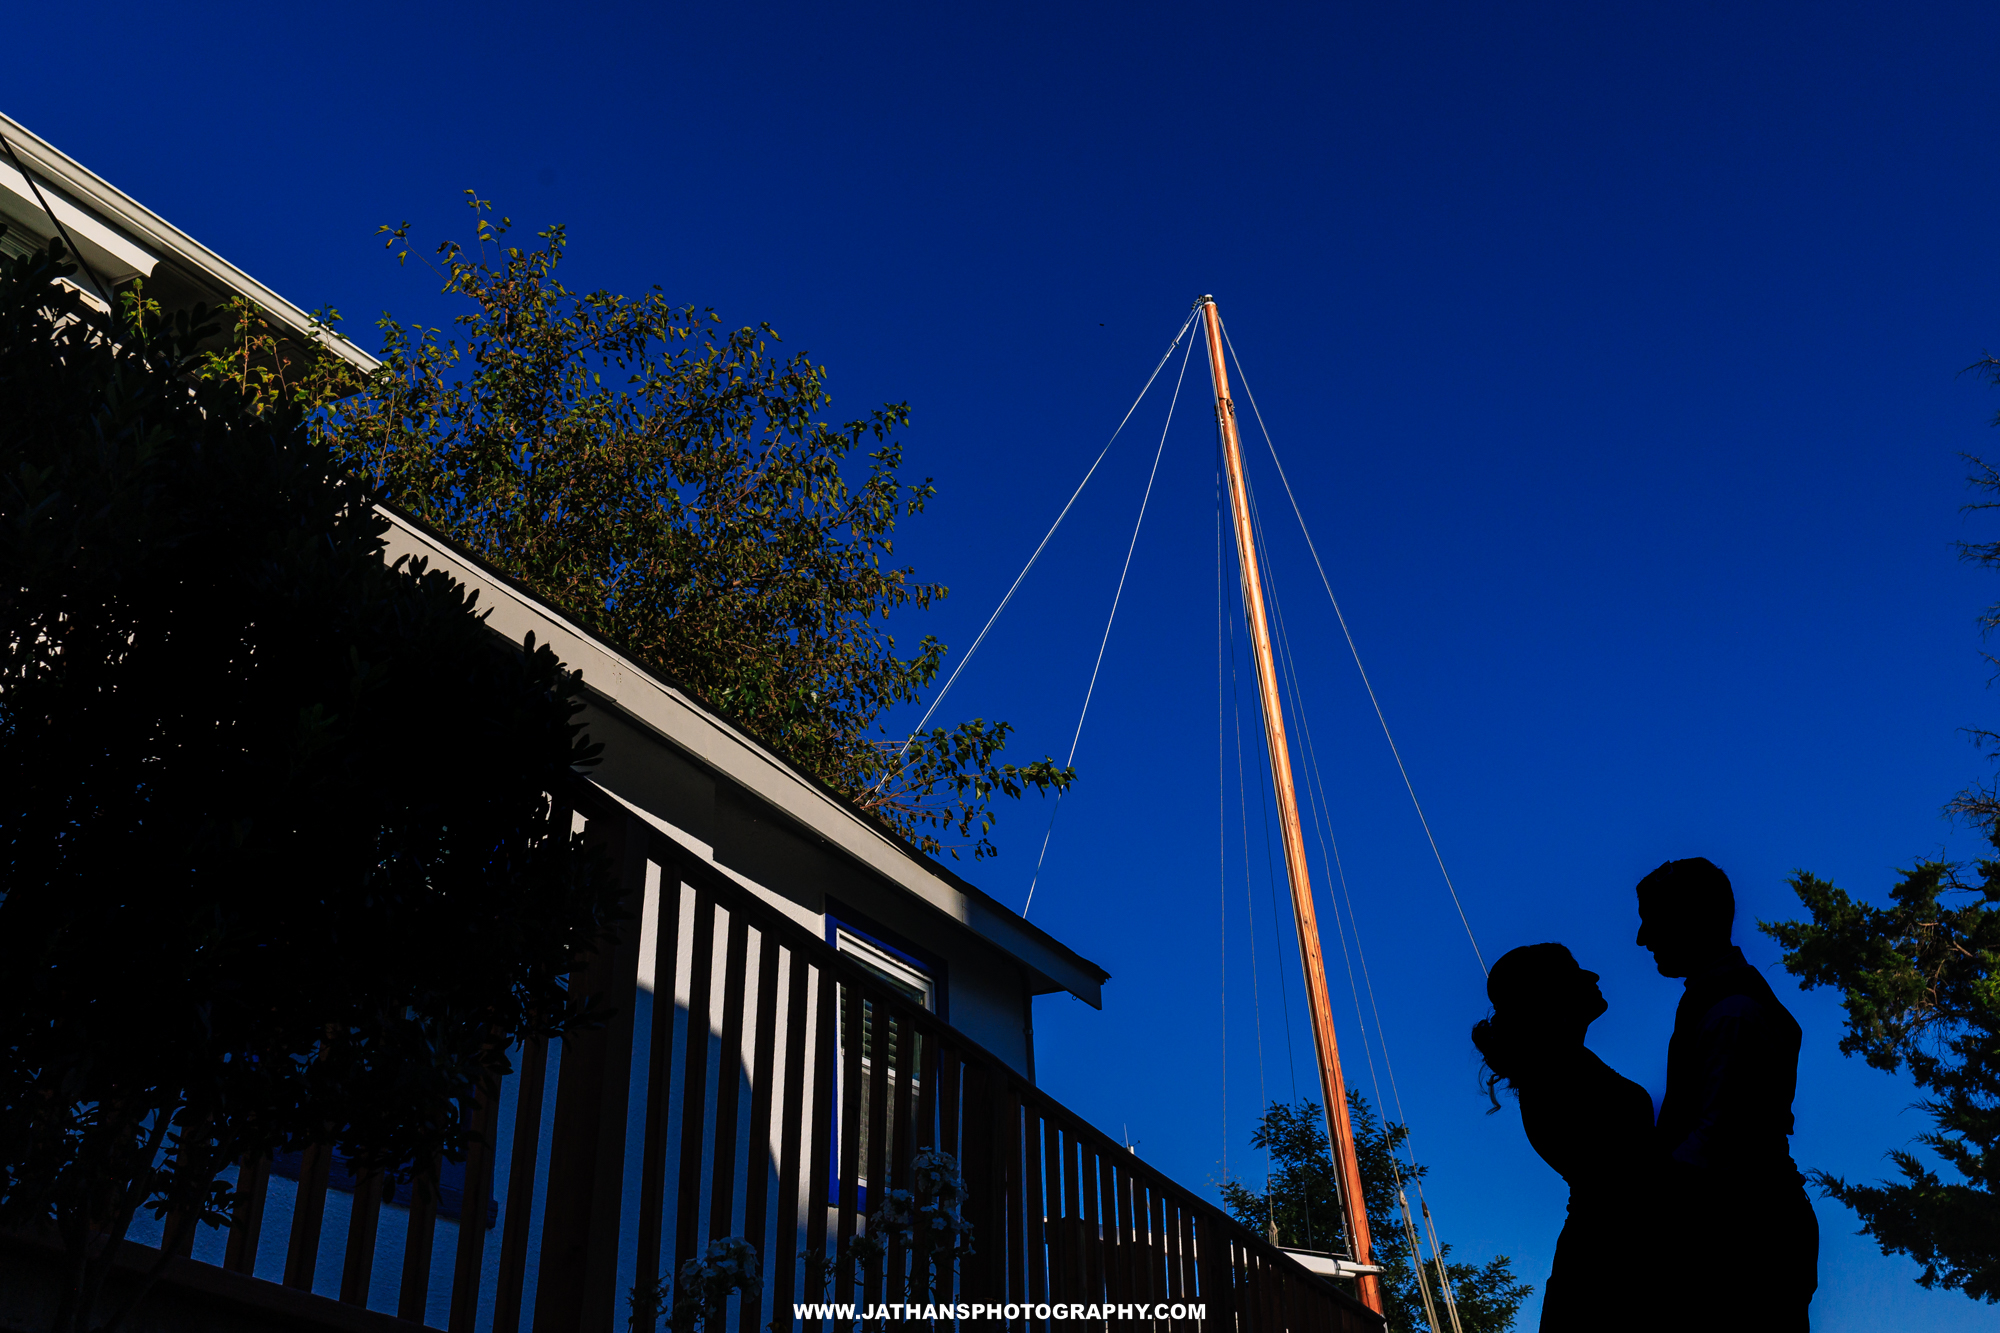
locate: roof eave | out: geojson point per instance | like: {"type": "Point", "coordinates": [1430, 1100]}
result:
{"type": "Point", "coordinates": [84, 188]}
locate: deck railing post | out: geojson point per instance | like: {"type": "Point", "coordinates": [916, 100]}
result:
{"type": "Point", "coordinates": [1057, 1211]}
{"type": "Point", "coordinates": [469, 1263]}
{"type": "Point", "coordinates": [575, 1287]}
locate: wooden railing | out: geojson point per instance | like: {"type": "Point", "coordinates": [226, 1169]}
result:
{"type": "Point", "coordinates": [739, 1105]}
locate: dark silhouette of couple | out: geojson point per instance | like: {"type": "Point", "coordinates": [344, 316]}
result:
{"type": "Point", "coordinates": [1698, 1221]}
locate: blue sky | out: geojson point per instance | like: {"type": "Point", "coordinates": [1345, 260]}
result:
{"type": "Point", "coordinates": [1613, 351]}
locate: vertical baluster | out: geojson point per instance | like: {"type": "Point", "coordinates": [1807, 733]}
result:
{"type": "Point", "coordinates": [521, 1170]}
{"type": "Point", "coordinates": [1239, 1294]}
{"type": "Point", "coordinates": [875, 1143]}
{"type": "Point", "coordinates": [253, 1179]}
{"type": "Point", "coordinates": [820, 1163]}
{"type": "Point", "coordinates": [576, 1284]}
{"type": "Point", "coordinates": [1036, 1208]}
{"type": "Point", "coordinates": [1117, 1186]}
{"type": "Point", "coordinates": [1190, 1267]}
{"type": "Point", "coordinates": [783, 1262]}
{"type": "Point", "coordinates": [925, 1135]}
{"type": "Point", "coordinates": [757, 1150]}
{"type": "Point", "coordinates": [414, 1295]}
{"type": "Point", "coordinates": [1147, 1245]}
{"type": "Point", "coordinates": [1058, 1224]}
{"type": "Point", "coordinates": [1167, 1246]}
{"type": "Point", "coordinates": [177, 1233]}
{"type": "Point", "coordinates": [985, 1271]}
{"type": "Point", "coordinates": [469, 1264]}
{"type": "Point", "coordinates": [1013, 1195]}
{"type": "Point", "coordinates": [728, 1080]}
{"type": "Point", "coordinates": [659, 1082]}
{"type": "Point", "coordinates": [694, 1083]}
{"type": "Point", "coordinates": [524, 1163]}
{"type": "Point", "coordinates": [1145, 1238]}
{"type": "Point", "coordinates": [308, 1214]}
{"type": "Point", "coordinates": [602, 1302]}
{"type": "Point", "coordinates": [1159, 1248]}
{"type": "Point", "coordinates": [1078, 1239]}
{"type": "Point", "coordinates": [358, 1266]}
{"type": "Point", "coordinates": [896, 1131]}
{"type": "Point", "coordinates": [853, 1083]}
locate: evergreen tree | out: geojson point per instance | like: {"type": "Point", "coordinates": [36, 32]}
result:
{"type": "Point", "coordinates": [1920, 981]}
{"type": "Point", "coordinates": [1302, 1201]}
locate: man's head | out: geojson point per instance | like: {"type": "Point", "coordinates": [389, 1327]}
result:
{"type": "Point", "coordinates": [1685, 911]}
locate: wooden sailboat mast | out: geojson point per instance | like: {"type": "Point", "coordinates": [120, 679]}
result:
{"type": "Point", "coordinates": [1333, 1088]}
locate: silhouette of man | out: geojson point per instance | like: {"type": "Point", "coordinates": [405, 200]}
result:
{"type": "Point", "coordinates": [1735, 1200]}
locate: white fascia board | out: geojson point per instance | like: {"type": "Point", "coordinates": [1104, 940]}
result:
{"type": "Point", "coordinates": [102, 206]}
{"type": "Point", "coordinates": [19, 196]}
{"type": "Point", "coordinates": [745, 761]}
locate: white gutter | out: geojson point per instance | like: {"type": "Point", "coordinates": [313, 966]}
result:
{"type": "Point", "coordinates": [734, 754]}
{"type": "Point", "coordinates": [106, 217]}
{"type": "Point", "coordinates": [91, 207]}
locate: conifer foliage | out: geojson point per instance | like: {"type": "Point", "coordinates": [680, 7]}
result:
{"type": "Point", "coordinates": [1302, 1201]}
{"type": "Point", "coordinates": [1920, 981]}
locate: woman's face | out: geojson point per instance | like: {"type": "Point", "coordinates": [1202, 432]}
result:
{"type": "Point", "coordinates": [1557, 990]}
{"type": "Point", "coordinates": [1590, 997]}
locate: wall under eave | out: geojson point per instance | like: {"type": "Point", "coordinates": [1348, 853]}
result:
{"type": "Point", "coordinates": [983, 991]}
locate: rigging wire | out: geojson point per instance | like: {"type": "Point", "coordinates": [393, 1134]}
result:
{"type": "Point", "coordinates": [1317, 803]}
{"type": "Point", "coordinates": [1380, 717]}
{"type": "Point", "coordinates": [103, 291]}
{"type": "Point", "coordinates": [1320, 806]}
{"type": "Point", "coordinates": [1249, 899]}
{"type": "Point", "coordinates": [1289, 666]}
{"type": "Point", "coordinates": [1437, 1257]}
{"type": "Point", "coordinates": [1110, 620]}
{"type": "Point", "coordinates": [1221, 834]}
{"type": "Point", "coordinates": [1417, 1260]}
{"type": "Point", "coordinates": [1271, 872]}
{"type": "Point", "coordinates": [1043, 545]}
{"type": "Point", "coordinates": [1271, 881]}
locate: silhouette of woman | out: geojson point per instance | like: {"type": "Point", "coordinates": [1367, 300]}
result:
{"type": "Point", "coordinates": [1591, 1124]}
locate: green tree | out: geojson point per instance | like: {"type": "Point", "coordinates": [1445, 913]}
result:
{"type": "Point", "coordinates": [1921, 988]}
{"type": "Point", "coordinates": [673, 487]}
{"type": "Point", "coordinates": [1918, 981]}
{"type": "Point", "coordinates": [281, 860]}
{"type": "Point", "coordinates": [1302, 1201]}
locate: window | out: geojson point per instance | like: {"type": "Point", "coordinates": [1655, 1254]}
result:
{"type": "Point", "coordinates": [908, 976]}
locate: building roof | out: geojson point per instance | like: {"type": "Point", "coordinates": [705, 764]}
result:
{"type": "Point", "coordinates": [123, 239]}
{"type": "Point", "coordinates": [680, 719]}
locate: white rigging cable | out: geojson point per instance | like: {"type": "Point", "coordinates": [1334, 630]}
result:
{"type": "Point", "coordinates": [1264, 791]}
{"type": "Point", "coordinates": [1249, 899]}
{"type": "Point", "coordinates": [1319, 805]}
{"type": "Point", "coordinates": [1221, 836]}
{"type": "Point", "coordinates": [1018, 578]}
{"type": "Point", "coordinates": [1116, 597]}
{"type": "Point", "coordinates": [1356, 652]}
